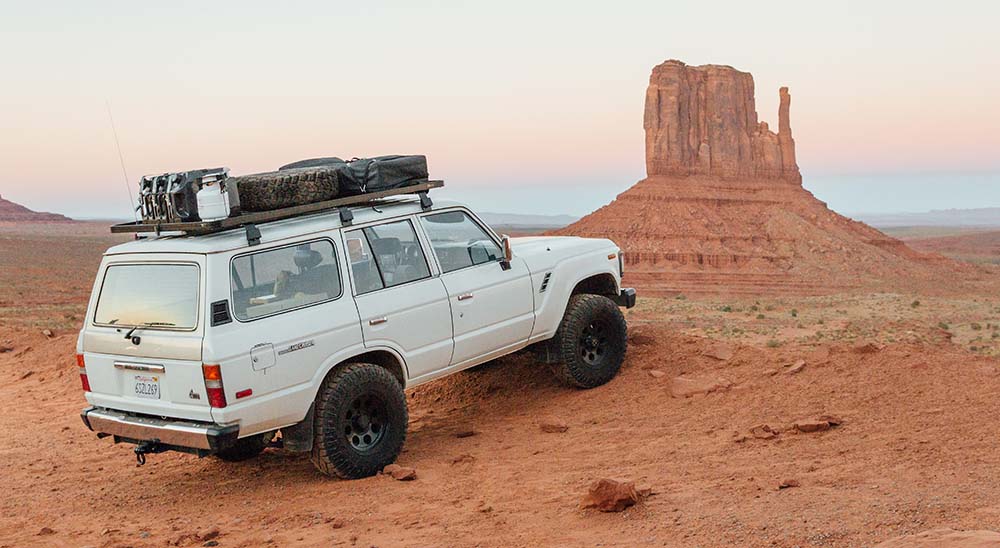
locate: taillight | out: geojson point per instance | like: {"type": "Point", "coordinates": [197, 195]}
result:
{"type": "Point", "coordinates": [82, 366]}
{"type": "Point", "coordinates": [213, 385]}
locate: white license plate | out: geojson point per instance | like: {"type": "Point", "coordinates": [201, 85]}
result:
{"type": "Point", "coordinates": [146, 387]}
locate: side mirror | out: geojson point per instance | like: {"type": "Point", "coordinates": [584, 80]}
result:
{"type": "Point", "coordinates": [508, 253]}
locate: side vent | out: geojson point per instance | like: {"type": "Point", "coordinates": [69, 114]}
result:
{"type": "Point", "coordinates": [545, 282]}
{"type": "Point", "coordinates": [220, 313]}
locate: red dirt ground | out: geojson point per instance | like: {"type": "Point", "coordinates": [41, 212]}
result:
{"type": "Point", "coordinates": [916, 448]}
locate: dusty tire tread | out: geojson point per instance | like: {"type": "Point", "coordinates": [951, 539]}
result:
{"type": "Point", "coordinates": [335, 388]}
{"type": "Point", "coordinates": [286, 188]}
{"type": "Point", "coordinates": [568, 368]}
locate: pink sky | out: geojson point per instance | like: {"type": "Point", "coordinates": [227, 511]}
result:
{"type": "Point", "coordinates": [516, 93]}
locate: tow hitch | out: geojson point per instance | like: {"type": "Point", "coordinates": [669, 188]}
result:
{"type": "Point", "coordinates": [146, 447]}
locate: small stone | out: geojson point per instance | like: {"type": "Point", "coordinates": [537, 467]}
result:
{"type": "Point", "coordinates": [785, 484]}
{"type": "Point", "coordinates": [48, 333]}
{"type": "Point", "coordinates": [796, 367]}
{"type": "Point", "coordinates": [465, 433]}
{"type": "Point", "coordinates": [463, 459]}
{"type": "Point", "coordinates": [832, 419]}
{"type": "Point", "coordinates": [809, 426]}
{"type": "Point", "coordinates": [770, 372]}
{"type": "Point", "coordinates": [5, 349]}
{"type": "Point", "coordinates": [719, 351]}
{"type": "Point", "coordinates": [144, 534]}
{"type": "Point", "coordinates": [211, 543]}
{"type": "Point", "coordinates": [865, 348]}
{"type": "Point", "coordinates": [209, 534]}
{"type": "Point", "coordinates": [336, 523]}
{"type": "Point", "coordinates": [27, 374]}
{"type": "Point", "coordinates": [46, 531]}
{"type": "Point", "coordinates": [762, 432]}
{"type": "Point", "coordinates": [685, 387]}
{"type": "Point", "coordinates": [656, 373]}
{"type": "Point", "coordinates": [608, 495]}
{"type": "Point", "coordinates": [553, 425]}
{"type": "Point", "coordinates": [401, 473]}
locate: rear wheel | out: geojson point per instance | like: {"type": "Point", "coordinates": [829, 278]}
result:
{"type": "Point", "coordinates": [245, 448]}
{"type": "Point", "coordinates": [360, 422]}
{"type": "Point", "coordinates": [590, 342]}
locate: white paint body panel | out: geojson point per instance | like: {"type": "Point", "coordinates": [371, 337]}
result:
{"type": "Point", "coordinates": [429, 329]}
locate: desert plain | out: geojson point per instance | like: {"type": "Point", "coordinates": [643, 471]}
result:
{"type": "Point", "coordinates": [897, 392]}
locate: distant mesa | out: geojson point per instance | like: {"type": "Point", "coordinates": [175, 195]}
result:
{"type": "Point", "coordinates": [722, 208]}
{"type": "Point", "coordinates": [11, 212]}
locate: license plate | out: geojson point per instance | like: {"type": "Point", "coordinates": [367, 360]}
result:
{"type": "Point", "coordinates": [147, 387]}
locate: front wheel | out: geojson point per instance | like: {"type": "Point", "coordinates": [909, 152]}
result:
{"type": "Point", "coordinates": [590, 342]}
{"type": "Point", "coordinates": [360, 422]}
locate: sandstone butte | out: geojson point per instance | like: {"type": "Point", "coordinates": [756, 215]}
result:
{"type": "Point", "coordinates": [723, 209]}
{"type": "Point", "coordinates": [11, 212]}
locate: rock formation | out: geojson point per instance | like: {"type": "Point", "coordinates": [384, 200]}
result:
{"type": "Point", "coordinates": [11, 212]}
{"type": "Point", "coordinates": [723, 207]}
{"type": "Point", "coordinates": [702, 121]}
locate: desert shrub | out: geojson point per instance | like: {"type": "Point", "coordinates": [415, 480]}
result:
{"type": "Point", "coordinates": [795, 313]}
{"type": "Point", "coordinates": [680, 297]}
{"type": "Point", "coordinates": [944, 326]}
{"type": "Point", "coordinates": [726, 308]}
{"type": "Point", "coordinates": [914, 304]}
{"type": "Point", "coordinates": [760, 316]}
{"type": "Point", "coordinates": [773, 343]}
{"type": "Point", "coordinates": [975, 326]}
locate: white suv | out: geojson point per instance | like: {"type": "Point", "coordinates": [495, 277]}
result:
{"type": "Point", "coordinates": [212, 344]}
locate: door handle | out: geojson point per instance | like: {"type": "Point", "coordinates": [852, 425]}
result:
{"type": "Point", "coordinates": [465, 296]}
{"type": "Point", "coordinates": [378, 321]}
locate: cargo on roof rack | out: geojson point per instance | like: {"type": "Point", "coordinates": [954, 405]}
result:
{"type": "Point", "coordinates": [245, 219]}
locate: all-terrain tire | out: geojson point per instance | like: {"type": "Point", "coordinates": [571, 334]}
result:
{"type": "Point", "coordinates": [590, 342]}
{"type": "Point", "coordinates": [360, 421]}
{"type": "Point", "coordinates": [245, 448]}
{"type": "Point", "coordinates": [313, 162]}
{"type": "Point", "coordinates": [288, 188]}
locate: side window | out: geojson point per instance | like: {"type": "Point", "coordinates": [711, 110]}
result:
{"type": "Point", "coordinates": [281, 279]}
{"type": "Point", "coordinates": [458, 241]}
{"type": "Point", "coordinates": [385, 256]}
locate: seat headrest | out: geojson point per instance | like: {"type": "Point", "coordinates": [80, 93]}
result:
{"type": "Point", "coordinates": [306, 258]}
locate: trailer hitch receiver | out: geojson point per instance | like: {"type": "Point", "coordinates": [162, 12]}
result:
{"type": "Point", "coordinates": [146, 447]}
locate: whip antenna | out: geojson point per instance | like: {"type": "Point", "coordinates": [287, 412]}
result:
{"type": "Point", "coordinates": [121, 160]}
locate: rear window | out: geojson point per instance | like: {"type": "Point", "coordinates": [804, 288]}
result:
{"type": "Point", "coordinates": [154, 295]}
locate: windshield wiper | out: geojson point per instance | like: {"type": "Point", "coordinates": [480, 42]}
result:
{"type": "Point", "coordinates": [147, 324]}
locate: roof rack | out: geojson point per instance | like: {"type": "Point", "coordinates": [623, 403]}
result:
{"type": "Point", "coordinates": [250, 219]}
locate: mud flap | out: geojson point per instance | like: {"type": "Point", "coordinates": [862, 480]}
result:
{"type": "Point", "coordinates": [299, 437]}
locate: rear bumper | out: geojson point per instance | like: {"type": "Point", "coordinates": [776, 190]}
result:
{"type": "Point", "coordinates": [180, 434]}
{"type": "Point", "coordinates": [626, 298]}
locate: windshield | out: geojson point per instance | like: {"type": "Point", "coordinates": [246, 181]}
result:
{"type": "Point", "coordinates": [153, 295]}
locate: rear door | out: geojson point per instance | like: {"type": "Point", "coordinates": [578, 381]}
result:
{"type": "Point", "coordinates": [401, 305]}
{"type": "Point", "coordinates": [492, 308]}
{"type": "Point", "coordinates": [142, 342]}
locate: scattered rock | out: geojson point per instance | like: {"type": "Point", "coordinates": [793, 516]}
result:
{"type": "Point", "coordinates": [211, 543]}
{"type": "Point", "coordinates": [656, 373]}
{"type": "Point", "coordinates": [46, 531]}
{"type": "Point", "coordinates": [336, 523]}
{"type": "Point", "coordinates": [553, 425]}
{"type": "Point", "coordinates": [401, 473]}
{"type": "Point", "coordinates": [463, 459]}
{"type": "Point", "coordinates": [796, 367]}
{"type": "Point", "coordinates": [608, 495]}
{"type": "Point", "coordinates": [5, 349]}
{"type": "Point", "coordinates": [945, 538]}
{"type": "Point", "coordinates": [144, 534]}
{"type": "Point", "coordinates": [48, 333]}
{"type": "Point", "coordinates": [465, 433]}
{"type": "Point", "coordinates": [27, 374]}
{"type": "Point", "coordinates": [770, 372]}
{"type": "Point", "coordinates": [865, 348]}
{"type": "Point", "coordinates": [832, 419]}
{"type": "Point", "coordinates": [808, 426]}
{"type": "Point", "coordinates": [685, 387]}
{"type": "Point", "coordinates": [23, 351]}
{"type": "Point", "coordinates": [719, 351]}
{"type": "Point", "coordinates": [763, 432]}
{"type": "Point", "coordinates": [209, 534]}
{"type": "Point", "coordinates": [785, 484]}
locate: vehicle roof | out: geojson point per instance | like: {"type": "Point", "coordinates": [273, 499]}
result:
{"type": "Point", "coordinates": [235, 238]}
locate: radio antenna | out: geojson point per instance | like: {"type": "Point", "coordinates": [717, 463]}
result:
{"type": "Point", "coordinates": [121, 160]}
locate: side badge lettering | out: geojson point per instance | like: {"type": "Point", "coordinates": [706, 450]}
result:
{"type": "Point", "coordinates": [297, 346]}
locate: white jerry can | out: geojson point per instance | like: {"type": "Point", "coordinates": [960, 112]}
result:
{"type": "Point", "coordinates": [217, 199]}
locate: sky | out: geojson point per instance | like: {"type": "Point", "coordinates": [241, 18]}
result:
{"type": "Point", "coordinates": [528, 107]}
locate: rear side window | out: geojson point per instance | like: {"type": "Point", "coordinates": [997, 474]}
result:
{"type": "Point", "coordinates": [385, 256]}
{"type": "Point", "coordinates": [458, 241]}
{"type": "Point", "coordinates": [274, 281]}
{"type": "Point", "coordinates": [153, 295]}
